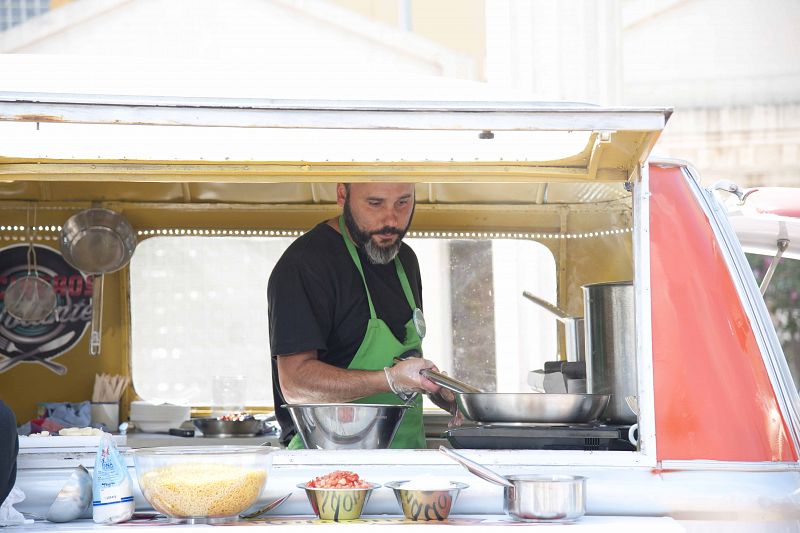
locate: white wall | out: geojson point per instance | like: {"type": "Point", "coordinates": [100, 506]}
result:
{"type": "Point", "coordinates": [277, 36]}
{"type": "Point", "coordinates": [555, 49]}
{"type": "Point", "coordinates": [730, 68]}
{"type": "Point", "coordinates": [701, 53]}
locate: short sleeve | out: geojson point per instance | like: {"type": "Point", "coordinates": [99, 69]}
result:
{"type": "Point", "coordinates": [300, 307]}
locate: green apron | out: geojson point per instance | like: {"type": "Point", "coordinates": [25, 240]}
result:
{"type": "Point", "coordinates": [377, 350]}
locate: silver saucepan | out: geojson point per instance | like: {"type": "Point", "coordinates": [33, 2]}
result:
{"type": "Point", "coordinates": [97, 241]}
{"type": "Point", "coordinates": [522, 407]}
{"type": "Point", "coordinates": [533, 498]}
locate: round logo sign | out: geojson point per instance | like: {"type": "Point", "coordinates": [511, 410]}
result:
{"type": "Point", "coordinates": [43, 340]}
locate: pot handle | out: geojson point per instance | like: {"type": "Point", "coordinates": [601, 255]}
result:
{"type": "Point", "coordinates": [561, 315]}
{"type": "Point", "coordinates": [633, 435]}
{"type": "Point", "coordinates": [97, 315]}
{"type": "Point", "coordinates": [477, 469]}
{"type": "Point", "coordinates": [447, 382]}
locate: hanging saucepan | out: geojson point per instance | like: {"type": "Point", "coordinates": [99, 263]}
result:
{"type": "Point", "coordinates": [97, 241]}
{"type": "Point", "coordinates": [521, 407]}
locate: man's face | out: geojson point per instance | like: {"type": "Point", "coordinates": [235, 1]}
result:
{"type": "Point", "coordinates": [377, 216]}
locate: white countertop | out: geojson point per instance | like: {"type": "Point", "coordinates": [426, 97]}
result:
{"type": "Point", "coordinates": [301, 524]}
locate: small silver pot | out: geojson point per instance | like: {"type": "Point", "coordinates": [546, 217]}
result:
{"type": "Point", "coordinates": [545, 498]}
{"type": "Point", "coordinates": [533, 498]}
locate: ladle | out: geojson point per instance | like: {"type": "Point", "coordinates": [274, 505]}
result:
{"type": "Point", "coordinates": [268, 507]}
{"type": "Point", "coordinates": [74, 497]}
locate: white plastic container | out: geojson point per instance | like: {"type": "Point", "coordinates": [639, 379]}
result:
{"type": "Point", "coordinates": [158, 418]}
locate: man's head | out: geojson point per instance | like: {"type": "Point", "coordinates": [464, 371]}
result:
{"type": "Point", "coordinates": [377, 216]}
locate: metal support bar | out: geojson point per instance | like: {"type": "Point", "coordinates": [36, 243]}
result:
{"type": "Point", "coordinates": [783, 244]}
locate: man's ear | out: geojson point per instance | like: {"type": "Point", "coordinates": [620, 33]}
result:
{"type": "Point", "coordinates": [341, 194]}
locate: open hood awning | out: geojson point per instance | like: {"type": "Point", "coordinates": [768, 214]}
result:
{"type": "Point", "coordinates": [174, 139]}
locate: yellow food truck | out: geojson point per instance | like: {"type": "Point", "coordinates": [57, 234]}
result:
{"type": "Point", "coordinates": [561, 267]}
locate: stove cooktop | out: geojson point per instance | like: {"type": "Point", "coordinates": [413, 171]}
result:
{"type": "Point", "coordinates": [540, 437]}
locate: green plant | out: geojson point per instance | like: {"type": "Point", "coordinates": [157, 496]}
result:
{"type": "Point", "coordinates": [783, 302]}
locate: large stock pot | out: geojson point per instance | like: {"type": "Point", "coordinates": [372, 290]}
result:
{"type": "Point", "coordinates": [611, 347]}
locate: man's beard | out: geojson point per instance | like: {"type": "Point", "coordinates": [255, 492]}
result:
{"type": "Point", "coordinates": [377, 254]}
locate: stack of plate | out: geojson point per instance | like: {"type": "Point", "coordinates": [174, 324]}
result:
{"type": "Point", "coordinates": [158, 418]}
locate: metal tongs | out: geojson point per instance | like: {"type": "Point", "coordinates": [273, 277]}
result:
{"type": "Point", "coordinates": [443, 380]}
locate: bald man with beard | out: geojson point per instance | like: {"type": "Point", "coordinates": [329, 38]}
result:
{"type": "Point", "coordinates": [345, 301]}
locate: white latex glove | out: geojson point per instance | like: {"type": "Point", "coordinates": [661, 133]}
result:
{"type": "Point", "coordinates": [404, 377]}
{"type": "Point", "coordinates": [457, 419]}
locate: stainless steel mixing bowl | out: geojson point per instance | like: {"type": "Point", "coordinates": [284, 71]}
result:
{"type": "Point", "coordinates": [346, 426]}
{"type": "Point", "coordinates": [425, 505]}
{"type": "Point", "coordinates": [338, 504]}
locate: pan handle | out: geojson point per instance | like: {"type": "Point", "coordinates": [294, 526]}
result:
{"type": "Point", "coordinates": [97, 314]}
{"type": "Point", "coordinates": [447, 382]}
{"type": "Point", "coordinates": [479, 470]}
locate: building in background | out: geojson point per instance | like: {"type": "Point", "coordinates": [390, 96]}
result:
{"type": "Point", "coordinates": [731, 68]}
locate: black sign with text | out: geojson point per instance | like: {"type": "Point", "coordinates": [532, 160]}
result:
{"type": "Point", "coordinates": [41, 341]}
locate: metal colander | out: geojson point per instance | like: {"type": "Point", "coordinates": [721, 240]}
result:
{"type": "Point", "coordinates": [30, 298]}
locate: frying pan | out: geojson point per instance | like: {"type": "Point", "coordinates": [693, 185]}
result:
{"type": "Point", "coordinates": [213, 427]}
{"type": "Point", "coordinates": [97, 241]}
{"type": "Point", "coordinates": [522, 407]}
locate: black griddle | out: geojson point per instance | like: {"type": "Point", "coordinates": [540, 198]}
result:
{"type": "Point", "coordinates": [585, 437]}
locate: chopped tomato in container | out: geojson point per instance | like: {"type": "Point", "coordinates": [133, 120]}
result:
{"type": "Point", "coordinates": [340, 479]}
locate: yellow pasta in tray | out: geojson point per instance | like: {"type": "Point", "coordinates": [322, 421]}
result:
{"type": "Point", "coordinates": [202, 489]}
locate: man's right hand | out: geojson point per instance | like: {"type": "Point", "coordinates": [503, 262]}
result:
{"type": "Point", "coordinates": [404, 376]}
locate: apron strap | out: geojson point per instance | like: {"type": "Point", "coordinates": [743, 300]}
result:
{"type": "Point", "coordinates": [354, 256]}
{"type": "Point", "coordinates": [401, 273]}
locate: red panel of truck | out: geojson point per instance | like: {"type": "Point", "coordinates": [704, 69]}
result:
{"type": "Point", "coordinates": [713, 397]}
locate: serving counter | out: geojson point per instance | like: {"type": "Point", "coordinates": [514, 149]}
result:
{"type": "Point", "coordinates": [301, 524]}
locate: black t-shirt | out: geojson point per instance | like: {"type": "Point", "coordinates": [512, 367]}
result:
{"type": "Point", "coordinates": [317, 301]}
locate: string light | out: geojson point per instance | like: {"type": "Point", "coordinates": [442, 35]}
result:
{"type": "Point", "coordinates": [18, 233]}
